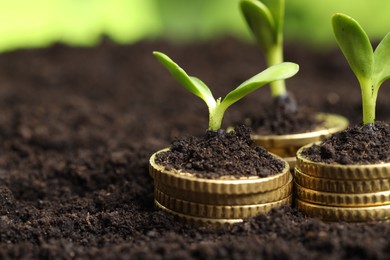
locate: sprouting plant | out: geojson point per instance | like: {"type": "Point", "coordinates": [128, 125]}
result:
{"type": "Point", "coordinates": [217, 107]}
{"type": "Point", "coordinates": [265, 19]}
{"type": "Point", "coordinates": [371, 68]}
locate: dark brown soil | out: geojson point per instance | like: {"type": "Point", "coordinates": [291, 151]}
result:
{"type": "Point", "coordinates": [77, 128]}
{"type": "Point", "coordinates": [360, 144]}
{"type": "Point", "coordinates": [220, 153]}
{"type": "Point", "coordinates": [278, 121]}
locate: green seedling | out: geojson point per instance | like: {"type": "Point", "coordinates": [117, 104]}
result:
{"type": "Point", "coordinates": [265, 18]}
{"type": "Point", "coordinates": [217, 107]}
{"type": "Point", "coordinates": [371, 68]}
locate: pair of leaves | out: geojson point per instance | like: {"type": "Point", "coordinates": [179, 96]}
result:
{"type": "Point", "coordinates": [367, 65]}
{"type": "Point", "coordinates": [198, 88]}
{"type": "Point", "coordinates": [265, 19]}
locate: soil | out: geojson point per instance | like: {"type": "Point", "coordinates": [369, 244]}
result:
{"type": "Point", "coordinates": [220, 153]}
{"type": "Point", "coordinates": [77, 128]}
{"type": "Point", "coordinates": [360, 144]}
{"type": "Point", "coordinates": [277, 121]}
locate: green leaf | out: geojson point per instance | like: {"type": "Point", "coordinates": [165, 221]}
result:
{"type": "Point", "coordinates": [277, 72]}
{"type": "Point", "coordinates": [192, 84]}
{"type": "Point", "coordinates": [276, 8]}
{"type": "Point", "coordinates": [260, 21]}
{"type": "Point", "coordinates": [381, 70]}
{"type": "Point", "coordinates": [355, 45]}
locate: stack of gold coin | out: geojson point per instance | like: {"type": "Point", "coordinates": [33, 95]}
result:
{"type": "Point", "coordinates": [333, 192]}
{"type": "Point", "coordinates": [225, 200]}
{"type": "Point", "coordinates": [286, 146]}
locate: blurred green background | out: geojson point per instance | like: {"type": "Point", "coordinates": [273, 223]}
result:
{"type": "Point", "coordinates": [38, 23]}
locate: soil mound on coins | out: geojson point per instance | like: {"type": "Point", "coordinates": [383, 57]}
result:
{"type": "Point", "coordinates": [355, 145]}
{"type": "Point", "coordinates": [220, 153]}
{"type": "Point", "coordinates": [279, 120]}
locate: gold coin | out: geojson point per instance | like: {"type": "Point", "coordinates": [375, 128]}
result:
{"type": "Point", "coordinates": [291, 161]}
{"type": "Point", "coordinates": [349, 214]}
{"type": "Point", "coordinates": [341, 186]}
{"type": "Point", "coordinates": [216, 211]}
{"type": "Point", "coordinates": [338, 171]}
{"type": "Point", "coordinates": [224, 185]}
{"type": "Point", "coordinates": [196, 220]}
{"type": "Point", "coordinates": [227, 199]}
{"type": "Point", "coordinates": [287, 145]}
{"type": "Point", "coordinates": [342, 199]}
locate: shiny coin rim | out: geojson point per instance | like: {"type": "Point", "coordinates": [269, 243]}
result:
{"type": "Point", "coordinates": [229, 185]}
{"type": "Point", "coordinates": [340, 186]}
{"type": "Point", "coordinates": [197, 220]}
{"type": "Point", "coordinates": [228, 199]}
{"type": "Point", "coordinates": [339, 171]}
{"type": "Point", "coordinates": [348, 214]}
{"type": "Point", "coordinates": [216, 211]}
{"type": "Point", "coordinates": [332, 123]}
{"type": "Point", "coordinates": [342, 199]}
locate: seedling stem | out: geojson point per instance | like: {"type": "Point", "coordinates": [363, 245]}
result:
{"type": "Point", "coordinates": [275, 56]}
